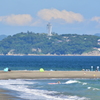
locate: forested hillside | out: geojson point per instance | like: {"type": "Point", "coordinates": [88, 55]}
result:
{"type": "Point", "coordinates": [41, 43]}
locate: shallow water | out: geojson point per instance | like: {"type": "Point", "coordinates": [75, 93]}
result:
{"type": "Point", "coordinates": [68, 89]}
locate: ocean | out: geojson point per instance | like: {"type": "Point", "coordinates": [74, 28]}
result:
{"type": "Point", "coordinates": [41, 89]}
{"type": "Point", "coordinates": [61, 63]}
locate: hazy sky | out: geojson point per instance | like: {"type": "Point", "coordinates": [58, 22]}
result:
{"type": "Point", "coordinates": [66, 16]}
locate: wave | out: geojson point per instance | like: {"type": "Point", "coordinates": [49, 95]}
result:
{"type": "Point", "coordinates": [21, 86]}
{"type": "Point", "coordinates": [92, 88]}
{"type": "Point", "coordinates": [75, 81]}
{"type": "Point", "coordinates": [71, 82]}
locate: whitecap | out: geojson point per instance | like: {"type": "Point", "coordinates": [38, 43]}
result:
{"type": "Point", "coordinates": [96, 89]}
{"type": "Point", "coordinates": [93, 88]}
{"type": "Point", "coordinates": [88, 87]}
{"type": "Point", "coordinates": [71, 82]}
{"type": "Point", "coordinates": [84, 83]}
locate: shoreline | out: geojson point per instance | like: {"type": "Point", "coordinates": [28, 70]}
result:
{"type": "Point", "coordinates": [88, 54]}
{"type": "Point", "coordinates": [48, 74]}
{"type": "Point", "coordinates": [4, 94]}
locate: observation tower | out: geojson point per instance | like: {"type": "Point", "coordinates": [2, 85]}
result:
{"type": "Point", "coordinates": [49, 28]}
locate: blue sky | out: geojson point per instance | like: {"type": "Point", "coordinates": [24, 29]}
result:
{"type": "Point", "coordinates": [66, 16]}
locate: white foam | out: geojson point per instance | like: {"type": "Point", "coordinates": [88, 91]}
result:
{"type": "Point", "coordinates": [84, 83]}
{"type": "Point", "coordinates": [17, 81]}
{"type": "Point", "coordinates": [93, 88]}
{"type": "Point", "coordinates": [27, 93]}
{"type": "Point", "coordinates": [88, 87]}
{"type": "Point", "coordinates": [71, 82]}
{"type": "Point", "coordinates": [75, 81]}
{"type": "Point", "coordinates": [96, 89]}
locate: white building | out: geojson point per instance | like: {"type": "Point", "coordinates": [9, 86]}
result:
{"type": "Point", "coordinates": [49, 28]}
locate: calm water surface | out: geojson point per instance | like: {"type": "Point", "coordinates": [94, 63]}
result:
{"type": "Point", "coordinates": [49, 62]}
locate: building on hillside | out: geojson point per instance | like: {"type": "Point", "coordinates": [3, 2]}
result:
{"type": "Point", "coordinates": [49, 28]}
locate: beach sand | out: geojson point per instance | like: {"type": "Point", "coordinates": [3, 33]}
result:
{"type": "Point", "coordinates": [5, 96]}
{"type": "Point", "coordinates": [48, 74]}
{"type": "Point", "coordinates": [40, 75]}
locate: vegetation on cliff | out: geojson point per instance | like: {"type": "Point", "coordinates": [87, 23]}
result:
{"type": "Point", "coordinates": [41, 43]}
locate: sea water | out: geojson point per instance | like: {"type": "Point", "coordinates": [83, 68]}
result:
{"type": "Point", "coordinates": [68, 89]}
{"type": "Point", "coordinates": [62, 63]}
{"type": "Point", "coordinates": [40, 89]}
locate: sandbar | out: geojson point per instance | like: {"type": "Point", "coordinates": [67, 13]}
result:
{"type": "Point", "coordinates": [48, 74]}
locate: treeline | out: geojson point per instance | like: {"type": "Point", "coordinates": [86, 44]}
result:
{"type": "Point", "coordinates": [41, 43]}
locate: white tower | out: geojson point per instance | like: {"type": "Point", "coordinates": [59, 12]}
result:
{"type": "Point", "coordinates": [49, 28]}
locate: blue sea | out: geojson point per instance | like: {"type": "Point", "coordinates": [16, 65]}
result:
{"type": "Point", "coordinates": [40, 89]}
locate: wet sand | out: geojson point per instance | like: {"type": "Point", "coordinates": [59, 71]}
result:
{"type": "Point", "coordinates": [5, 96]}
{"type": "Point", "coordinates": [40, 75]}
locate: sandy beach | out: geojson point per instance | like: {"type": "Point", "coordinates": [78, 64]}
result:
{"type": "Point", "coordinates": [48, 74]}
{"type": "Point", "coordinates": [5, 96]}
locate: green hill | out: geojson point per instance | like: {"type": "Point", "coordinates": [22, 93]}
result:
{"type": "Point", "coordinates": [41, 43]}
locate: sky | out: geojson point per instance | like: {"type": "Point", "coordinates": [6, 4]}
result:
{"type": "Point", "coordinates": [65, 16]}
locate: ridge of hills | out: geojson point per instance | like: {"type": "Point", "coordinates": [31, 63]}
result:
{"type": "Point", "coordinates": [31, 43]}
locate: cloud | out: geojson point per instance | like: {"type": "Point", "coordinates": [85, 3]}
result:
{"type": "Point", "coordinates": [67, 16]}
{"type": "Point", "coordinates": [36, 22]}
{"type": "Point", "coordinates": [97, 19]}
{"type": "Point", "coordinates": [43, 15]}
{"type": "Point", "coordinates": [21, 20]}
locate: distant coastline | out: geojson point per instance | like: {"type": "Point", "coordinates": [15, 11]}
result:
{"type": "Point", "coordinates": [50, 54]}
{"type": "Point", "coordinates": [92, 53]}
